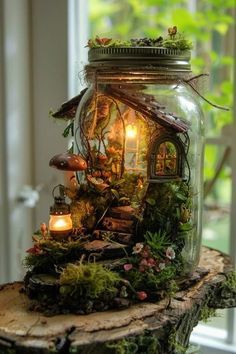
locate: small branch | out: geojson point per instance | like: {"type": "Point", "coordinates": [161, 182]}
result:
{"type": "Point", "coordinates": [205, 99]}
{"type": "Point", "coordinates": [196, 77]}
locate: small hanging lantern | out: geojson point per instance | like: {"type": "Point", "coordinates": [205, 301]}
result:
{"type": "Point", "coordinates": [60, 223]}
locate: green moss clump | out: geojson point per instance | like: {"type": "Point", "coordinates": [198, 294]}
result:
{"type": "Point", "coordinates": [52, 253]}
{"type": "Point", "coordinates": [178, 42]}
{"type": "Point", "coordinates": [230, 282]}
{"type": "Point", "coordinates": [206, 313]}
{"type": "Point", "coordinates": [146, 343]}
{"type": "Point", "coordinates": [172, 288]}
{"type": "Point", "coordinates": [98, 42]}
{"type": "Point", "coordinates": [174, 40]}
{"type": "Point", "coordinates": [124, 346]}
{"type": "Point", "coordinates": [174, 344]}
{"type": "Point", "coordinates": [89, 280]}
{"type": "Point", "coordinates": [128, 191]}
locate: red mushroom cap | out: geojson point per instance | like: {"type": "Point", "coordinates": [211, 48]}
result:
{"type": "Point", "coordinates": [102, 157]}
{"type": "Point", "coordinates": [68, 162]}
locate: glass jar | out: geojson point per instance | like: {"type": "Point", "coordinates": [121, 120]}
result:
{"type": "Point", "coordinates": [140, 128]}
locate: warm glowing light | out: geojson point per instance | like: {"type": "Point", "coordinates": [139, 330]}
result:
{"type": "Point", "coordinates": [131, 131]}
{"type": "Point", "coordinates": [60, 223]}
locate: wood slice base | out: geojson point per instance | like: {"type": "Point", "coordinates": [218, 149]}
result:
{"type": "Point", "coordinates": [22, 331]}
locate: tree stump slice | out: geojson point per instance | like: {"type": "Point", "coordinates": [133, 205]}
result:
{"type": "Point", "coordinates": [23, 331]}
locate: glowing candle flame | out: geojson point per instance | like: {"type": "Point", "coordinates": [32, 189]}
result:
{"type": "Point", "coordinates": [131, 131]}
{"type": "Point", "coordinates": [60, 222]}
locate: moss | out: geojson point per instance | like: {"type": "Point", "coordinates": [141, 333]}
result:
{"type": "Point", "coordinates": [89, 280]}
{"type": "Point", "coordinates": [172, 41]}
{"type": "Point", "coordinates": [230, 282]}
{"type": "Point", "coordinates": [128, 189]}
{"type": "Point", "coordinates": [52, 253]}
{"type": "Point", "coordinates": [180, 43]}
{"type": "Point", "coordinates": [206, 313]}
{"type": "Point", "coordinates": [98, 42]}
{"type": "Point", "coordinates": [124, 346]}
{"type": "Point", "coordinates": [174, 344]}
{"type": "Point", "coordinates": [172, 288]}
{"type": "Point", "coordinates": [146, 343]}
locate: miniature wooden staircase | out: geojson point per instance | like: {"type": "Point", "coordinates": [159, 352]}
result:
{"type": "Point", "coordinates": [114, 236]}
{"type": "Point", "coordinates": [120, 222]}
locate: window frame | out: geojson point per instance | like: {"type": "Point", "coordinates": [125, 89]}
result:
{"type": "Point", "coordinates": [166, 137]}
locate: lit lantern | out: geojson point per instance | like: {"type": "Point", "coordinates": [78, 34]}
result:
{"type": "Point", "coordinates": [60, 223]}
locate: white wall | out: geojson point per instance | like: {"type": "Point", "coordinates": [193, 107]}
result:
{"type": "Point", "coordinates": [49, 63]}
{"type": "Point", "coordinates": [16, 126]}
{"type": "Point", "coordinates": [3, 175]}
{"type": "Point", "coordinates": [33, 79]}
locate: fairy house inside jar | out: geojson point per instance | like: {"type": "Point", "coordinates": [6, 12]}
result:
{"type": "Point", "coordinates": [128, 142]}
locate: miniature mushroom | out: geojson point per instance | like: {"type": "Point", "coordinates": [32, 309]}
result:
{"type": "Point", "coordinates": [102, 158]}
{"type": "Point", "coordinates": [68, 162]}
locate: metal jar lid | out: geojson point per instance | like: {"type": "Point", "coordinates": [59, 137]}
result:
{"type": "Point", "coordinates": [169, 59]}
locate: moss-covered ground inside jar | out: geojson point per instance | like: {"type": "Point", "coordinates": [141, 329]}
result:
{"type": "Point", "coordinates": [64, 277]}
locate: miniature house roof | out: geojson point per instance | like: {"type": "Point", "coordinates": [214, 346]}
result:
{"type": "Point", "coordinates": [68, 108]}
{"type": "Point", "coordinates": [146, 104]}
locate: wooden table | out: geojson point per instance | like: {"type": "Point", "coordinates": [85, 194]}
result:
{"type": "Point", "coordinates": [166, 326]}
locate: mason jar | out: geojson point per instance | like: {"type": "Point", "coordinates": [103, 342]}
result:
{"type": "Point", "coordinates": [139, 126]}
